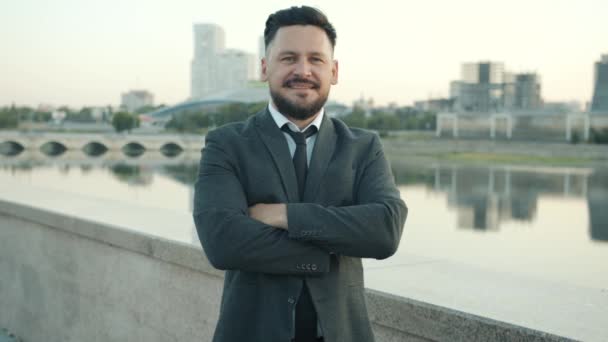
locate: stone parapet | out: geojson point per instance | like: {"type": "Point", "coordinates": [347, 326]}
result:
{"type": "Point", "coordinates": [70, 278]}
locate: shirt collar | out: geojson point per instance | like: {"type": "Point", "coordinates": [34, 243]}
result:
{"type": "Point", "coordinates": [281, 119]}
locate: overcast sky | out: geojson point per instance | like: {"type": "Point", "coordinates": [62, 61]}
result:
{"type": "Point", "coordinates": [85, 52]}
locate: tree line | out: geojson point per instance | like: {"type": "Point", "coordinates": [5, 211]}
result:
{"type": "Point", "coordinates": [194, 121]}
{"type": "Point", "coordinates": [404, 118]}
{"type": "Point", "coordinates": [199, 120]}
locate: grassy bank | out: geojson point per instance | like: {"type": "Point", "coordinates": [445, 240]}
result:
{"type": "Point", "coordinates": [496, 158]}
{"type": "Point", "coordinates": [496, 152]}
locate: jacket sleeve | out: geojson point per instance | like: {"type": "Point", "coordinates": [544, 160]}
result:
{"type": "Point", "coordinates": [371, 228]}
{"type": "Point", "coordinates": [230, 238]}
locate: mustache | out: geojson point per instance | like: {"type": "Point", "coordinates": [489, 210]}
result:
{"type": "Point", "coordinates": [289, 82]}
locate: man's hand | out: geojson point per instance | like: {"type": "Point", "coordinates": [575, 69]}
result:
{"type": "Point", "coordinates": [274, 215]}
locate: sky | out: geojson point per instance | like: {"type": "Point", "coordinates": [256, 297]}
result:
{"type": "Point", "coordinates": [86, 52]}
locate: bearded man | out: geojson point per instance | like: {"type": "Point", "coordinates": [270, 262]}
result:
{"type": "Point", "coordinates": [289, 201]}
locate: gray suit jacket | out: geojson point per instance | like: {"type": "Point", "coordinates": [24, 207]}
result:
{"type": "Point", "coordinates": [351, 209]}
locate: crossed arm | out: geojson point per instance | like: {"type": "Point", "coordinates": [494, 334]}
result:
{"type": "Point", "coordinates": [278, 238]}
{"type": "Point", "coordinates": [274, 215]}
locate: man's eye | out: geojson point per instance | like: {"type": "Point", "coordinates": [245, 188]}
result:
{"type": "Point", "coordinates": [288, 59]}
{"type": "Point", "coordinates": [317, 60]}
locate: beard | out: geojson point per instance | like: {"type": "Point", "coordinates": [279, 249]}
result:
{"type": "Point", "coordinates": [295, 110]}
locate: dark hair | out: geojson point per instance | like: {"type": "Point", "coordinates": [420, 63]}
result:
{"type": "Point", "coordinates": [303, 15]}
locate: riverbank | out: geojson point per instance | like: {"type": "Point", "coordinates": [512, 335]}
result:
{"type": "Point", "coordinates": [425, 146]}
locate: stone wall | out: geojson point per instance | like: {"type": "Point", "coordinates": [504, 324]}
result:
{"type": "Point", "coordinates": [69, 279]}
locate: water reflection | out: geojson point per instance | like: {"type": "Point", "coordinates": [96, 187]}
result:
{"type": "Point", "coordinates": [483, 198]}
{"type": "Point", "coordinates": [183, 173]}
{"type": "Point", "coordinates": [598, 205]}
{"type": "Point", "coordinates": [132, 174]}
{"type": "Point", "coordinates": [486, 197]}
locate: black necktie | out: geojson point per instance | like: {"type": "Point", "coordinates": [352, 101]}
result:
{"type": "Point", "coordinates": [306, 316]}
{"type": "Point", "coordinates": [300, 160]}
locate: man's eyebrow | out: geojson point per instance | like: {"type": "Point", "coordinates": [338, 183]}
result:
{"type": "Point", "coordinates": [314, 53]}
{"type": "Point", "coordinates": [319, 54]}
{"type": "Point", "coordinates": [287, 52]}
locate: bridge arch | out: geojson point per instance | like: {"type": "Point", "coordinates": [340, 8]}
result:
{"type": "Point", "coordinates": [11, 148]}
{"type": "Point", "coordinates": [94, 148]}
{"type": "Point", "coordinates": [171, 149]}
{"type": "Point", "coordinates": [133, 149]}
{"type": "Point", "coordinates": [53, 148]}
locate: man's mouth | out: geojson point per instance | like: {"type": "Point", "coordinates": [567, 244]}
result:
{"type": "Point", "coordinates": [301, 84]}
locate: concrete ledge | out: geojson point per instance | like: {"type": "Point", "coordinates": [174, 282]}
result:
{"type": "Point", "coordinates": [175, 252]}
{"type": "Point", "coordinates": [181, 274]}
{"type": "Point", "coordinates": [428, 322]}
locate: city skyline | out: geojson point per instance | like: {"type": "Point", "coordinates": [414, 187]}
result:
{"type": "Point", "coordinates": [80, 53]}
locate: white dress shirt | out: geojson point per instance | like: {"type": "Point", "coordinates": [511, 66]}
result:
{"type": "Point", "coordinates": [281, 120]}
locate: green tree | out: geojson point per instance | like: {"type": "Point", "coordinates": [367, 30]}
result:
{"type": "Point", "coordinates": [232, 112]}
{"type": "Point", "coordinates": [41, 116]}
{"type": "Point", "coordinates": [125, 121]}
{"type": "Point", "coordinates": [383, 122]}
{"type": "Point", "coordinates": [9, 117]}
{"type": "Point", "coordinates": [356, 118]}
{"type": "Point", "coordinates": [189, 121]}
{"type": "Point", "coordinates": [197, 120]}
{"type": "Point", "coordinates": [148, 109]}
{"type": "Point", "coordinates": [83, 115]}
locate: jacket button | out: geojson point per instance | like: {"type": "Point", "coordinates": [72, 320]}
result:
{"type": "Point", "coordinates": [291, 300]}
{"type": "Point", "coordinates": [314, 267]}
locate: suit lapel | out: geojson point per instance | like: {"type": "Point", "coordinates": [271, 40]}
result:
{"type": "Point", "coordinates": [321, 156]}
{"type": "Point", "coordinates": [276, 144]}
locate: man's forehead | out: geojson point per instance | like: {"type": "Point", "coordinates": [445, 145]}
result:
{"type": "Point", "coordinates": [301, 39]}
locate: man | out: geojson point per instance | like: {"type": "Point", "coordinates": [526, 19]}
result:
{"type": "Point", "coordinates": [289, 214]}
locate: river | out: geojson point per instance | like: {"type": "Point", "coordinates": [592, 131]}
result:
{"type": "Point", "coordinates": [537, 221]}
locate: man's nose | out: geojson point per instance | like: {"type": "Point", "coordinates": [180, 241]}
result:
{"type": "Point", "coordinates": [303, 69]}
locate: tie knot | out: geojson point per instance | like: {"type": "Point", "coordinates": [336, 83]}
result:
{"type": "Point", "coordinates": [300, 137]}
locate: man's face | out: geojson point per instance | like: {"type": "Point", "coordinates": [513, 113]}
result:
{"type": "Point", "coordinates": [300, 69]}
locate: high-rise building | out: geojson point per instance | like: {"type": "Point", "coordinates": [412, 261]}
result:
{"type": "Point", "coordinates": [483, 72]}
{"type": "Point", "coordinates": [486, 87]}
{"type": "Point", "coordinates": [209, 41]}
{"type": "Point", "coordinates": [508, 90]}
{"type": "Point", "coordinates": [481, 87]}
{"type": "Point", "coordinates": [235, 69]}
{"type": "Point", "coordinates": [599, 103]}
{"type": "Point", "coordinates": [135, 99]}
{"type": "Point", "coordinates": [527, 91]}
{"type": "Point", "coordinates": [214, 68]}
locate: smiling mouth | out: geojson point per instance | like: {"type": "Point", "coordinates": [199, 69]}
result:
{"type": "Point", "coordinates": [301, 84]}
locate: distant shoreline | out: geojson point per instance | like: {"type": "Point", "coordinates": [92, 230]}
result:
{"type": "Point", "coordinates": [421, 146]}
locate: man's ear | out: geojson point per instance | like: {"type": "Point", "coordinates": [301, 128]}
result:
{"type": "Point", "coordinates": [334, 72]}
{"type": "Point", "coordinates": [264, 74]}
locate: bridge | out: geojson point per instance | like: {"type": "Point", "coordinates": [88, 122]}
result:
{"type": "Point", "coordinates": [111, 142]}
